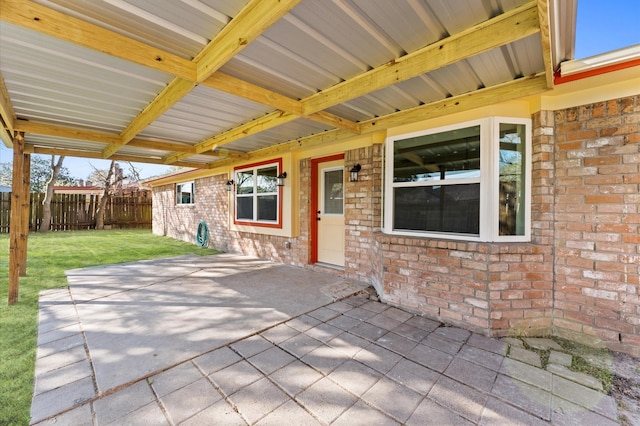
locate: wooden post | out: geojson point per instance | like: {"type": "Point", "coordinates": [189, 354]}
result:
{"type": "Point", "coordinates": [26, 204]}
{"type": "Point", "coordinates": [16, 239]}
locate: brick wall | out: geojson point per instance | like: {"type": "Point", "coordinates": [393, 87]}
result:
{"type": "Point", "coordinates": [579, 275]}
{"type": "Point", "coordinates": [497, 289]}
{"type": "Point", "coordinates": [212, 206]}
{"type": "Point", "coordinates": [363, 213]}
{"type": "Point", "coordinates": [597, 222]}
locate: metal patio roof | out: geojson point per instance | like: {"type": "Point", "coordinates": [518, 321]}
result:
{"type": "Point", "coordinates": [201, 83]}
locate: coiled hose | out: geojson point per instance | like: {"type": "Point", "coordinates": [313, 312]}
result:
{"type": "Point", "coordinates": [202, 234]}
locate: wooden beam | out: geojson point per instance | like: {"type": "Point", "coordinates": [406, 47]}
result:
{"type": "Point", "coordinates": [545, 38]}
{"type": "Point", "coordinates": [505, 28]}
{"type": "Point", "coordinates": [255, 126]}
{"type": "Point", "coordinates": [251, 21]}
{"type": "Point", "coordinates": [171, 94]}
{"type": "Point", "coordinates": [235, 86]}
{"type": "Point", "coordinates": [6, 139]}
{"type": "Point", "coordinates": [246, 90]}
{"type": "Point", "coordinates": [7, 115]}
{"type": "Point", "coordinates": [31, 149]}
{"type": "Point", "coordinates": [26, 204]}
{"type": "Point", "coordinates": [33, 16]}
{"type": "Point", "coordinates": [335, 121]}
{"type": "Point", "coordinates": [161, 145]}
{"type": "Point", "coordinates": [520, 88]}
{"type": "Point", "coordinates": [516, 89]}
{"type": "Point", "coordinates": [16, 236]}
{"type": "Point", "coordinates": [98, 137]}
{"type": "Point", "coordinates": [227, 153]}
{"type": "Point", "coordinates": [66, 132]}
{"type": "Point", "coordinates": [246, 26]}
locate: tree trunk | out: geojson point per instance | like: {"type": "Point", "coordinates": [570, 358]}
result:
{"type": "Point", "coordinates": [45, 226]}
{"type": "Point", "coordinates": [105, 197]}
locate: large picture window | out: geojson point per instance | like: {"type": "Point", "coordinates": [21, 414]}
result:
{"type": "Point", "coordinates": [185, 193]}
{"type": "Point", "coordinates": [257, 194]}
{"type": "Point", "coordinates": [463, 182]}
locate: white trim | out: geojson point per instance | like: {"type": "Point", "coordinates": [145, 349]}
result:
{"type": "Point", "coordinates": [255, 194]}
{"type": "Point", "coordinates": [489, 182]}
{"type": "Point", "coordinates": [598, 61]}
{"type": "Point", "coordinates": [193, 193]}
{"type": "Point", "coordinates": [495, 180]}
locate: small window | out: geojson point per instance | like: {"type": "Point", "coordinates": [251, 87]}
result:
{"type": "Point", "coordinates": [512, 178]}
{"type": "Point", "coordinates": [185, 193]}
{"type": "Point", "coordinates": [462, 182]}
{"type": "Point", "coordinates": [257, 194]}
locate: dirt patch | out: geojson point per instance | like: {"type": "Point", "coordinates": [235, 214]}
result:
{"type": "Point", "coordinates": [625, 388]}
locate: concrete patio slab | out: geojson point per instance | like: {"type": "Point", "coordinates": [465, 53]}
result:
{"type": "Point", "coordinates": [143, 317]}
{"type": "Point", "coordinates": [208, 343]}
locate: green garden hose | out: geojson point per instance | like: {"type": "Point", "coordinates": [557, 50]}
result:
{"type": "Point", "coordinates": [202, 234]}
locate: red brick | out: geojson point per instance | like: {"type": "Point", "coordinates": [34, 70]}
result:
{"type": "Point", "coordinates": [601, 161]}
{"type": "Point", "coordinates": [602, 199]}
{"type": "Point", "coordinates": [634, 239]}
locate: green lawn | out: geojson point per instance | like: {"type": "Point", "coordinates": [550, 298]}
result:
{"type": "Point", "coordinates": [49, 256]}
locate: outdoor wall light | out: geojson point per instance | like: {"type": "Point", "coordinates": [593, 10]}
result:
{"type": "Point", "coordinates": [353, 173]}
{"type": "Point", "coordinates": [281, 177]}
{"type": "Point", "coordinates": [229, 185]}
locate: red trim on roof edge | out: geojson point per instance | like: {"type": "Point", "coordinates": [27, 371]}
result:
{"type": "Point", "coordinates": [559, 79]}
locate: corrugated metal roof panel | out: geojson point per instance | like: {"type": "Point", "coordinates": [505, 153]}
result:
{"type": "Point", "coordinates": [202, 159]}
{"type": "Point", "coordinates": [341, 23]}
{"type": "Point", "coordinates": [143, 152]}
{"type": "Point", "coordinates": [315, 46]}
{"type": "Point", "coordinates": [288, 65]}
{"type": "Point", "coordinates": [50, 79]}
{"type": "Point", "coordinates": [528, 55]}
{"type": "Point", "coordinates": [350, 111]}
{"type": "Point", "coordinates": [409, 23]}
{"type": "Point", "coordinates": [299, 38]}
{"type": "Point", "coordinates": [249, 70]}
{"type": "Point", "coordinates": [203, 113]}
{"type": "Point", "coordinates": [287, 132]}
{"type": "Point", "coordinates": [66, 143]}
{"type": "Point", "coordinates": [182, 28]}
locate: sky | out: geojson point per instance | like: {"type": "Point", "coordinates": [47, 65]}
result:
{"type": "Point", "coordinates": [601, 26]}
{"type": "Point", "coordinates": [81, 168]}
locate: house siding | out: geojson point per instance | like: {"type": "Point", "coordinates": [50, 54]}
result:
{"type": "Point", "coordinates": [578, 277]}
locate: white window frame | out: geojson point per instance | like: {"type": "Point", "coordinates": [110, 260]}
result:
{"type": "Point", "coordinates": [254, 195]}
{"type": "Point", "coordinates": [489, 182]}
{"type": "Point", "coordinates": [193, 193]}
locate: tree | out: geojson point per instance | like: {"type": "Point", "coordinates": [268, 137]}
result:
{"type": "Point", "coordinates": [109, 182]}
{"type": "Point", "coordinates": [40, 174]}
{"type": "Point", "coordinates": [55, 168]}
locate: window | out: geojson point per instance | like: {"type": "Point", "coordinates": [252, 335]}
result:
{"type": "Point", "coordinates": [257, 195]}
{"type": "Point", "coordinates": [464, 182]}
{"type": "Point", "coordinates": [185, 193]}
{"type": "Point", "coordinates": [333, 191]}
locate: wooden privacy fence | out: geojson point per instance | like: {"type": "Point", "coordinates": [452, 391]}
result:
{"type": "Point", "coordinates": [78, 211]}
